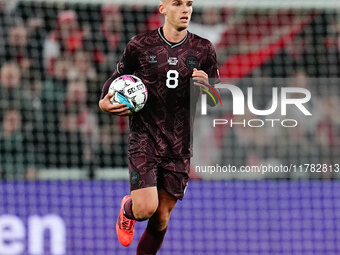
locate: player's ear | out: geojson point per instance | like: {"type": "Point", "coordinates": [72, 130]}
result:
{"type": "Point", "coordinates": [161, 9]}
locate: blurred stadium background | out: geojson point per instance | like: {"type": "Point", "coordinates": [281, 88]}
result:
{"type": "Point", "coordinates": [63, 161]}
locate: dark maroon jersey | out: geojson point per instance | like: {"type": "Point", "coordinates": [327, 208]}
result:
{"type": "Point", "coordinates": [162, 127]}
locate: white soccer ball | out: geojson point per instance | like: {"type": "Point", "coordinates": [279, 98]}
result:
{"type": "Point", "coordinates": [129, 90]}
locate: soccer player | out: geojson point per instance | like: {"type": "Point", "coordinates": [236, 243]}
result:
{"type": "Point", "coordinates": [159, 146]}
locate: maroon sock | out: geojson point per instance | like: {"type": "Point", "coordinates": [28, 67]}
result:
{"type": "Point", "coordinates": [128, 209]}
{"type": "Point", "coordinates": [150, 242]}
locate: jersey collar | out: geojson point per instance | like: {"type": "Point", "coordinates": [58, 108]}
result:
{"type": "Point", "coordinates": [172, 45]}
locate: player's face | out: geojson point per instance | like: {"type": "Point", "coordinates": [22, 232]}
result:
{"type": "Point", "coordinates": [177, 13]}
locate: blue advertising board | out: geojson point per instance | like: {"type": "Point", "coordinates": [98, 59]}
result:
{"type": "Point", "coordinates": [215, 218]}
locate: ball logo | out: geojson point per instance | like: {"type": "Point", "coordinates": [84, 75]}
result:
{"type": "Point", "coordinates": [135, 89]}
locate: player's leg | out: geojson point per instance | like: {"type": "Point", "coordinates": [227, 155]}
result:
{"type": "Point", "coordinates": [171, 187]}
{"type": "Point", "coordinates": [160, 219]}
{"type": "Point", "coordinates": [152, 238]}
{"type": "Point", "coordinates": [142, 204]}
{"type": "Point", "coordinates": [143, 201]}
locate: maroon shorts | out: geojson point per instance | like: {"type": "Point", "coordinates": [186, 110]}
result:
{"type": "Point", "coordinates": [169, 174]}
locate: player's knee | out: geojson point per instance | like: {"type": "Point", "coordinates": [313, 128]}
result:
{"type": "Point", "coordinates": [144, 211]}
{"type": "Point", "coordinates": [162, 219]}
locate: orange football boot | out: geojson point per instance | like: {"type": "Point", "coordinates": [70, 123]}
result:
{"type": "Point", "coordinates": [125, 228]}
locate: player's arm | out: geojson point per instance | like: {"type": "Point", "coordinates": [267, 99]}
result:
{"type": "Point", "coordinates": [208, 76]}
{"type": "Point", "coordinates": [127, 65]}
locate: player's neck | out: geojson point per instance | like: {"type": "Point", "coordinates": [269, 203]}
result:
{"type": "Point", "coordinates": [172, 34]}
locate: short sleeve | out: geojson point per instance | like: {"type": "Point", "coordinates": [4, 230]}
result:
{"type": "Point", "coordinates": [128, 64]}
{"type": "Point", "coordinates": [129, 61]}
{"type": "Point", "coordinates": [210, 65]}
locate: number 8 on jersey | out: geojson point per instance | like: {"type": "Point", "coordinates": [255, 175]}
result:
{"type": "Point", "coordinates": [172, 79]}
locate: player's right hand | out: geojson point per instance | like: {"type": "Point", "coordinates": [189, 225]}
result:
{"type": "Point", "coordinates": [117, 109]}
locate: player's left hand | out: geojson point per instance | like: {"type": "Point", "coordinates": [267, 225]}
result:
{"type": "Point", "coordinates": [200, 79]}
